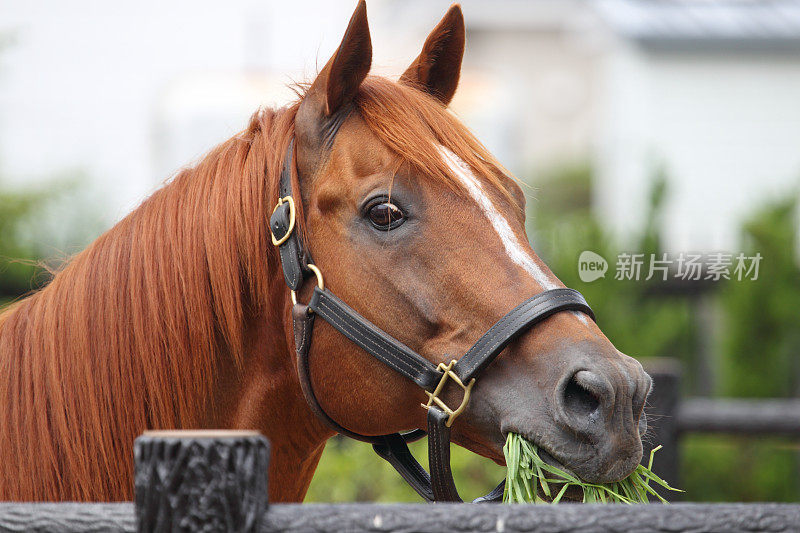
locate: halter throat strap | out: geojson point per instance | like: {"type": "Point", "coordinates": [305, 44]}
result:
{"type": "Point", "coordinates": [297, 267]}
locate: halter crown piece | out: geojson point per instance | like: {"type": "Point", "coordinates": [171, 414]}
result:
{"type": "Point", "coordinates": [438, 486]}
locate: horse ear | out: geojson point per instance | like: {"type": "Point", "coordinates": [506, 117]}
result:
{"type": "Point", "coordinates": [437, 68]}
{"type": "Point", "coordinates": [338, 82]}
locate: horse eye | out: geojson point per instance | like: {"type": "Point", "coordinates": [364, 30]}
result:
{"type": "Point", "coordinates": [385, 216]}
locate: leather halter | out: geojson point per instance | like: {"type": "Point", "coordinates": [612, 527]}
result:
{"type": "Point", "coordinates": [297, 266]}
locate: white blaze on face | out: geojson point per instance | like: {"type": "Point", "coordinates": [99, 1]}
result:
{"type": "Point", "coordinates": [511, 243]}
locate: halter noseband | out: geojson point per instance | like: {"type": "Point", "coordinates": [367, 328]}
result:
{"type": "Point", "coordinates": [297, 266]}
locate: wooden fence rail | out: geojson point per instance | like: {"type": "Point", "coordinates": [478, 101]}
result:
{"type": "Point", "coordinates": [742, 417]}
{"type": "Point", "coordinates": [466, 517]}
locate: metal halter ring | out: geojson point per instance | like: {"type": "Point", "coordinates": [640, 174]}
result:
{"type": "Point", "coordinates": [320, 282]}
{"type": "Point", "coordinates": [433, 397]}
{"type": "Point", "coordinates": [278, 242]}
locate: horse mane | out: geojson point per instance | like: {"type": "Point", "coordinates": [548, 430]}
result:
{"type": "Point", "coordinates": [128, 334]}
{"type": "Point", "coordinates": [142, 315]}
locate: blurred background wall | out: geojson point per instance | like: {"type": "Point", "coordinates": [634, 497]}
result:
{"type": "Point", "coordinates": [129, 92]}
{"type": "Point", "coordinates": [652, 125]}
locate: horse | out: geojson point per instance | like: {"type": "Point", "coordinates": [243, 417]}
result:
{"type": "Point", "coordinates": [178, 317]}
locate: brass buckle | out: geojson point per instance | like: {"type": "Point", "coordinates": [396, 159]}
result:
{"type": "Point", "coordinates": [433, 397]}
{"type": "Point", "coordinates": [278, 242]}
{"type": "Point", "coordinates": [320, 281]}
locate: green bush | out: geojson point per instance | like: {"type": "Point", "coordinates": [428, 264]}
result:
{"type": "Point", "coordinates": [40, 227]}
{"type": "Point", "coordinates": [351, 472]}
{"type": "Point", "coordinates": [760, 355]}
{"type": "Point", "coordinates": [19, 271]}
{"type": "Point", "coordinates": [762, 318]}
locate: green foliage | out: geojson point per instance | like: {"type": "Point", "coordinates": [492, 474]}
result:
{"type": "Point", "coordinates": [44, 223]}
{"type": "Point", "coordinates": [761, 359]}
{"type": "Point", "coordinates": [531, 480]}
{"type": "Point", "coordinates": [18, 266]}
{"type": "Point", "coordinates": [351, 472]}
{"type": "Point", "coordinates": [762, 341]}
{"type": "Point", "coordinates": [729, 468]}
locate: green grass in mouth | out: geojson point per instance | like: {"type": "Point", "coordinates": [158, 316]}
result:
{"type": "Point", "coordinates": [530, 480]}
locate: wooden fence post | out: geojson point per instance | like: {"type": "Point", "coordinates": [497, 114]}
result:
{"type": "Point", "coordinates": [200, 480]}
{"type": "Point", "coordinates": [662, 420]}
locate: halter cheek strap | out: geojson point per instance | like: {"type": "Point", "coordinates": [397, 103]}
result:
{"type": "Point", "coordinates": [439, 484]}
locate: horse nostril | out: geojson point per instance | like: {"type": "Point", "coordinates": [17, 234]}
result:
{"type": "Point", "coordinates": [577, 397]}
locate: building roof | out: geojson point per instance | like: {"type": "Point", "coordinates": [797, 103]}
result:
{"type": "Point", "coordinates": [756, 24]}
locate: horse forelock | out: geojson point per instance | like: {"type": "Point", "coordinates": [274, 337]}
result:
{"type": "Point", "coordinates": [415, 126]}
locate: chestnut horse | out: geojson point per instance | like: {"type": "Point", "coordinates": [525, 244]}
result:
{"type": "Point", "coordinates": [178, 316]}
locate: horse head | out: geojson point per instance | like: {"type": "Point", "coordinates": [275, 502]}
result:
{"type": "Point", "coordinates": [418, 228]}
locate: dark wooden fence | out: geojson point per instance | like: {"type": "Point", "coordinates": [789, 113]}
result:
{"type": "Point", "coordinates": [465, 517]}
{"type": "Point", "coordinates": [217, 481]}
{"type": "Point", "coordinates": [671, 417]}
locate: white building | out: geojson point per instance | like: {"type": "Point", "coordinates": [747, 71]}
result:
{"type": "Point", "coordinates": [709, 90]}
{"type": "Point", "coordinates": [129, 92]}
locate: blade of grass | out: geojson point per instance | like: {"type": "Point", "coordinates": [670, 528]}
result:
{"type": "Point", "coordinates": [528, 474]}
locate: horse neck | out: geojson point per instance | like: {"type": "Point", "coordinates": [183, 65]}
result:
{"type": "Point", "coordinates": [268, 397]}
{"type": "Point", "coordinates": [164, 322]}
